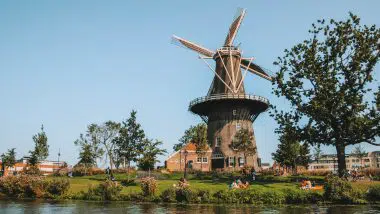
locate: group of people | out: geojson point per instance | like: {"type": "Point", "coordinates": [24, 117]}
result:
{"type": "Point", "coordinates": [306, 184]}
{"type": "Point", "coordinates": [238, 184]}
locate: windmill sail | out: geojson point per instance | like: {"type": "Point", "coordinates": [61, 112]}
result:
{"type": "Point", "coordinates": [253, 68]}
{"type": "Point", "coordinates": [197, 48]}
{"type": "Point", "coordinates": [234, 27]}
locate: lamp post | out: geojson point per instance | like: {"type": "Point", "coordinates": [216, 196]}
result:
{"type": "Point", "coordinates": [185, 171]}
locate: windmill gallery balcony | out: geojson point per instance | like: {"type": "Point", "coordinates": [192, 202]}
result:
{"type": "Point", "coordinates": [246, 105]}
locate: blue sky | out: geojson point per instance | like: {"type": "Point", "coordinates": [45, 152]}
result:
{"type": "Point", "coordinates": [66, 64]}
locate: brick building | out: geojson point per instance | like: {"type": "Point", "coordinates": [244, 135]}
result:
{"type": "Point", "coordinates": [176, 161]}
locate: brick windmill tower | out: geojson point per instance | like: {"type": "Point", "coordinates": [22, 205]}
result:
{"type": "Point", "coordinates": [227, 108]}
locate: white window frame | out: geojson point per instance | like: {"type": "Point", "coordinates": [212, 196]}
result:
{"type": "Point", "coordinates": [238, 126]}
{"type": "Point", "coordinates": [203, 160]}
{"type": "Point", "coordinates": [217, 142]}
{"type": "Point", "coordinates": [241, 164]}
{"type": "Point", "coordinates": [199, 158]}
{"type": "Point", "coordinates": [231, 163]}
{"type": "Point", "coordinates": [234, 112]}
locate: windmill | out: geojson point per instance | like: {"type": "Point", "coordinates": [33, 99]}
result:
{"type": "Point", "coordinates": [227, 108]}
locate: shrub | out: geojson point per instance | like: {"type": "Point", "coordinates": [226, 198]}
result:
{"type": "Point", "coordinates": [22, 186]}
{"type": "Point", "coordinates": [185, 194]}
{"type": "Point", "coordinates": [31, 170]}
{"type": "Point", "coordinates": [204, 196]}
{"type": "Point", "coordinates": [107, 190]}
{"type": "Point", "coordinates": [57, 187]}
{"type": "Point", "coordinates": [168, 195]}
{"type": "Point", "coordinates": [301, 196]}
{"type": "Point", "coordinates": [148, 186]}
{"type": "Point", "coordinates": [339, 190]}
{"type": "Point", "coordinates": [128, 182]}
{"type": "Point", "coordinates": [373, 193]}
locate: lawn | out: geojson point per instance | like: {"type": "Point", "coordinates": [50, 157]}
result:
{"type": "Point", "coordinates": [82, 183]}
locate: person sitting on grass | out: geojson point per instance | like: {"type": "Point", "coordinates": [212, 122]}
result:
{"type": "Point", "coordinates": [234, 185]}
{"type": "Point", "coordinates": [183, 183]}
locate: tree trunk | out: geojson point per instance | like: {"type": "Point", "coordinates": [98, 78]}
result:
{"type": "Point", "coordinates": [340, 152]}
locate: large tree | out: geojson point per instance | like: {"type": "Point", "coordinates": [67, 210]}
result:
{"type": "Point", "coordinates": [8, 159]}
{"type": "Point", "coordinates": [150, 152]}
{"type": "Point", "coordinates": [187, 136]}
{"type": "Point", "coordinates": [327, 80]}
{"type": "Point", "coordinates": [129, 143]}
{"type": "Point", "coordinates": [41, 148]}
{"type": "Point", "coordinates": [90, 148]}
{"type": "Point", "coordinates": [105, 135]}
{"type": "Point", "coordinates": [317, 153]}
{"type": "Point", "coordinates": [243, 142]}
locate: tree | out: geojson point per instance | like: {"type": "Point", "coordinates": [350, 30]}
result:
{"type": "Point", "coordinates": [8, 159]}
{"type": "Point", "coordinates": [360, 153]}
{"type": "Point", "coordinates": [200, 141]}
{"type": "Point", "coordinates": [41, 148]}
{"type": "Point", "coordinates": [327, 80]}
{"type": "Point", "coordinates": [105, 135]}
{"type": "Point", "coordinates": [243, 142]}
{"type": "Point", "coordinates": [304, 157]}
{"type": "Point", "coordinates": [188, 135]}
{"type": "Point", "coordinates": [90, 148]}
{"type": "Point", "coordinates": [130, 139]}
{"type": "Point", "coordinates": [317, 153]}
{"type": "Point", "coordinates": [149, 156]}
{"type": "Point", "coordinates": [288, 149]}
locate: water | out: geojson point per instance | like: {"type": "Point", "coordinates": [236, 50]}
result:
{"type": "Point", "coordinates": [128, 207]}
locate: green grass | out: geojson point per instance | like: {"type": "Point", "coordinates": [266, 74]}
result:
{"type": "Point", "coordinates": [82, 183]}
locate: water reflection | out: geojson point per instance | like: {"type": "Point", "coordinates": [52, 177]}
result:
{"type": "Point", "coordinates": [127, 207]}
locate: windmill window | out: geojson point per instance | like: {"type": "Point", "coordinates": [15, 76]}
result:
{"type": "Point", "coordinates": [241, 161]}
{"type": "Point", "coordinates": [234, 112]}
{"type": "Point", "coordinates": [218, 140]}
{"type": "Point", "coordinates": [238, 126]}
{"type": "Point", "coordinates": [231, 161]}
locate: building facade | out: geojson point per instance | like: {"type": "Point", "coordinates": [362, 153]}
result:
{"type": "Point", "coordinates": [330, 162]}
{"type": "Point", "coordinates": [187, 157]}
{"type": "Point", "coordinates": [46, 167]}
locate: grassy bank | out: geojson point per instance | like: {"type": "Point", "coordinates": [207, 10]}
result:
{"type": "Point", "coordinates": [202, 189]}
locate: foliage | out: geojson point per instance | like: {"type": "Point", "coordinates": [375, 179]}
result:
{"type": "Point", "coordinates": [290, 152]}
{"type": "Point", "coordinates": [200, 141]}
{"type": "Point", "coordinates": [188, 136]}
{"type": "Point", "coordinates": [31, 170]}
{"type": "Point", "coordinates": [151, 151]}
{"type": "Point", "coordinates": [41, 148]}
{"type": "Point", "coordinates": [168, 195]}
{"type": "Point", "coordinates": [148, 186]}
{"type": "Point", "coordinates": [373, 193]}
{"type": "Point", "coordinates": [243, 142]}
{"type": "Point", "coordinates": [185, 194]}
{"type": "Point", "coordinates": [8, 159]}
{"type": "Point", "coordinates": [250, 196]}
{"type": "Point", "coordinates": [26, 186]}
{"type": "Point", "coordinates": [317, 153]}
{"type": "Point", "coordinates": [107, 190]}
{"type": "Point", "coordinates": [57, 186]}
{"type": "Point", "coordinates": [326, 79]}
{"type": "Point", "coordinates": [106, 134]}
{"type": "Point", "coordinates": [90, 149]}
{"type": "Point", "coordinates": [341, 191]}
{"type": "Point", "coordinates": [301, 196]}
{"type": "Point", "coordinates": [360, 153]}
{"type": "Point", "coordinates": [129, 143]}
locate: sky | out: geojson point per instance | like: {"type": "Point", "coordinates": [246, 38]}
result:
{"type": "Point", "coordinates": [67, 64]}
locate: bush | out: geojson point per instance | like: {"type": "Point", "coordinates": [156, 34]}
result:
{"type": "Point", "coordinates": [31, 170]}
{"type": "Point", "coordinates": [148, 186]}
{"type": "Point", "coordinates": [128, 182]}
{"type": "Point", "coordinates": [168, 195]}
{"type": "Point", "coordinates": [250, 196]}
{"type": "Point", "coordinates": [373, 193]}
{"type": "Point", "coordinates": [57, 187]}
{"type": "Point", "coordinates": [302, 196]}
{"type": "Point", "coordinates": [108, 190]}
{"type": "Point", "coordinates": [339, 190]}
{"type": "Point", "coordinates": [204, 196]}
{"type": "Point", "coordinates": [185, 194]}
{"type": "Point", "coordinates": [22, 186]}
